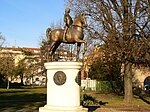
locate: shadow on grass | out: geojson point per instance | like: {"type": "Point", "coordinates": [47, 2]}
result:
{"type": "Point", "coordinates": [91, 102]}
{"type": "Point", "coordinates": [16, 91]}
{"type": "Point", "coordinates": [92, 108]}
{"type": "Point", "coordinates": [12, 100]}
{"type": "Point", "coordinates": [143, 99]}
{"type": "Point", "coordinates": [20, 101]}
{"type": "Point", "coordinates": [21, 96]}
{"type": "Point", "coordinates": [16, 106]}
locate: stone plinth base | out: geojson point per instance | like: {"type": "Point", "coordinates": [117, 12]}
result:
{"type": "Point", "coordinates": [63, 87]}
{"type": "Point", "coordinates": [47, 108]}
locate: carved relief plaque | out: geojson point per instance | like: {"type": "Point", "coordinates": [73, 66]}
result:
{"type": "Point", "coordinates": [59, 78]}
{"type": "Point", "coordinates": [78, 78]}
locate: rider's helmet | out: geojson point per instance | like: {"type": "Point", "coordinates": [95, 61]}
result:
{"type": "Point", "coordinates": [67, 10]}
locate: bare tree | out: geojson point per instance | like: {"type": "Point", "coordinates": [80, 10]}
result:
{"type": "Point", "coordinates": [2, 39]}
{"type": "Point", "coordinates": [124, 27]}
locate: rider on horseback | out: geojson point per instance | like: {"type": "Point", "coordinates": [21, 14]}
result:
{"type": "Point", "coordinates": [68, 22]}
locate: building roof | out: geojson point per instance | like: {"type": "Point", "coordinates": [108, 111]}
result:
{"type": "Point", "coordinates": [19, 48]}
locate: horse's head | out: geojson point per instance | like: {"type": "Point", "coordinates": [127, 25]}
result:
{"type": "Point", "coordinates": [83, 20]}
{"type": "Point", "coordinates": [80, 20]}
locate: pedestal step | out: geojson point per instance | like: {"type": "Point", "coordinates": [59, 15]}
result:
{"type": "Point", "coordinates": [47, 108]}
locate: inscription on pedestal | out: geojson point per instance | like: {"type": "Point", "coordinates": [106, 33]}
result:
{"type": "Point", "coordinates": [59, 78]}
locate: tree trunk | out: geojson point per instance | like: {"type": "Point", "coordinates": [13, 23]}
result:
{"type": "Point", "coordinates": [128, 95]}
{"type": "Point", "coordinates": [21, 77]}
{"type": "Point", "coordinates": [7, 84]}
{"type": "Point", "coordinates": [32, 81]}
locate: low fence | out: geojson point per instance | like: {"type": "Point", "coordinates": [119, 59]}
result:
{"type": "Point", "coordinates": [93, 85]}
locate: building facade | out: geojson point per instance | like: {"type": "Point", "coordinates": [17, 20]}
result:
{"type": "Point", "coordinates": [32, 57]}
{"type": "Point", "coordinates": [141, 74]}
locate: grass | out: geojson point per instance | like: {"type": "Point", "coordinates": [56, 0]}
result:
{"type": "Point", "coordinates": [18, 94]}
{"type": "Point", "coordinates": [18, 99]}
{"type": "Point", "coordinates": [116, 102]}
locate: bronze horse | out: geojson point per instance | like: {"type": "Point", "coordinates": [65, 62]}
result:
{"type": "Point", "coordinates": [74, 35]}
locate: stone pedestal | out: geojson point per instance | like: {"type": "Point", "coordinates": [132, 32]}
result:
{"type": "Point", "coordinates": [63, 87]}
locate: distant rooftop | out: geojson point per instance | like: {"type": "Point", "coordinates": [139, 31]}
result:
{"type": "Point", "coordinates": [20, 48]}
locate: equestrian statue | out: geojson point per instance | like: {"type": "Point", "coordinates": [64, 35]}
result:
{"type": "Point", "coordinates": [71, 34]}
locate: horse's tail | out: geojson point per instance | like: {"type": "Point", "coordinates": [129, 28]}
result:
{"type": "Point", "coordinates": [48, 32]}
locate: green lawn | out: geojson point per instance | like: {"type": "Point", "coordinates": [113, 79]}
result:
{"type": "Point", "coordinates": [18, 94]}
{"type": "Point", "coordinates": [33, 98]}
{"type": "Point", "coordinates": [16, 99]}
